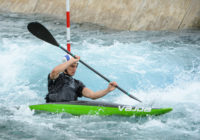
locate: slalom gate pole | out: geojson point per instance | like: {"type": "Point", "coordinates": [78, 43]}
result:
{"type": "Point", "coordinates": [68, 25]}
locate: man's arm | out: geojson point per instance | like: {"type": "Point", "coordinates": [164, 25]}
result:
{"type": "Point", "coordinates": [95, 95]}
{"type": "Point", "coordinates": [61, 68]}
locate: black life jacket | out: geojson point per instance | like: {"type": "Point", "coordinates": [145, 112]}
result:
{"type": "Point", "coordinates": [64, 88]}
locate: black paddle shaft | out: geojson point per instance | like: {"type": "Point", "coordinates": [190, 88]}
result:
{"type": "Point", "coordinates": [100, 74]}
{"type": "Point", "coordinates": [86, 65]}
{"type": "Point", "coordinates": [43, 33]}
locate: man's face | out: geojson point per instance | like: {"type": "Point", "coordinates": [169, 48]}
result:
{"type": "Point", "coordinates": [71, 70]}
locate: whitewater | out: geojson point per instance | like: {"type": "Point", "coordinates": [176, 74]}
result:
{"type": "Point", "coordinates": [161, 68]}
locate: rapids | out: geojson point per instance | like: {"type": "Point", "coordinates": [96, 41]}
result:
{"type": "Point", "coordinates": [161, 68]}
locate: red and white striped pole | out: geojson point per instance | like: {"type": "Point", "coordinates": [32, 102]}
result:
{"type": "Point", "coordinates": [68, 25]}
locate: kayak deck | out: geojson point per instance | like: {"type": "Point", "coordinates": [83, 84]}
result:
{"type": "Point", "coordinates": [97, 108]}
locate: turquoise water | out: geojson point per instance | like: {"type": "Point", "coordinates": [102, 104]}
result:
{"type": "Point", "coordinates": [161, 68]}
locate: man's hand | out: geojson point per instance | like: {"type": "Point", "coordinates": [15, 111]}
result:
{"type": "Point", "coordinates": [75, 60]}
{"type": "Point", "coordinates": [112, 86]}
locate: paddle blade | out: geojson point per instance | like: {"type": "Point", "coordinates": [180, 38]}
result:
{"type": "Point", "coordinates": [41, 32]}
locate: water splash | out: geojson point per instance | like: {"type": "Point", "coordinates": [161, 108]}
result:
{"type": "Point", "coordinates": [160, 68]}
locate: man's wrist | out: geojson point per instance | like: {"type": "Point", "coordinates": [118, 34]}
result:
{"type": "Point", "coordinates": [107, 90]}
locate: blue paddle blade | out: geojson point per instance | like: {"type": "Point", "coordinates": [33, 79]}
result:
{"type": "Point", "coordinates": [41, 32]}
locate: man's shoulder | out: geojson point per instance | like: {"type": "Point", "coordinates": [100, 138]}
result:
{"type": "Point", "coordinates": [76, 80]}
{"type": "Point", "coordinates": [79, 83]}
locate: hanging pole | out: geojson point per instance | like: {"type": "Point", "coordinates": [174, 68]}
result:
{"type": "Point", "coordinates": [68, 25]}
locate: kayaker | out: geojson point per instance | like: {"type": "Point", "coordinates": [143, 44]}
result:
{"type": "Point", "coordinates": [63, 87]}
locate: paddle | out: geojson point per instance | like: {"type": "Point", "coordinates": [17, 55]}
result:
{"type": "Point", "coordinates": [42, 33]}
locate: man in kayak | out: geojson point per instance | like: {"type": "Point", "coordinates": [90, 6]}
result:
{"type": "Point", "coordinates": [63, 87]}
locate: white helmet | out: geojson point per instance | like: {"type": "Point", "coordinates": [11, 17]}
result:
{"type": "Point", "coordinates": [66, 58]}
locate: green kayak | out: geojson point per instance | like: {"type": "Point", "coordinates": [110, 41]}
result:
{"type": "Point", "coordinates": [97, 108]}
